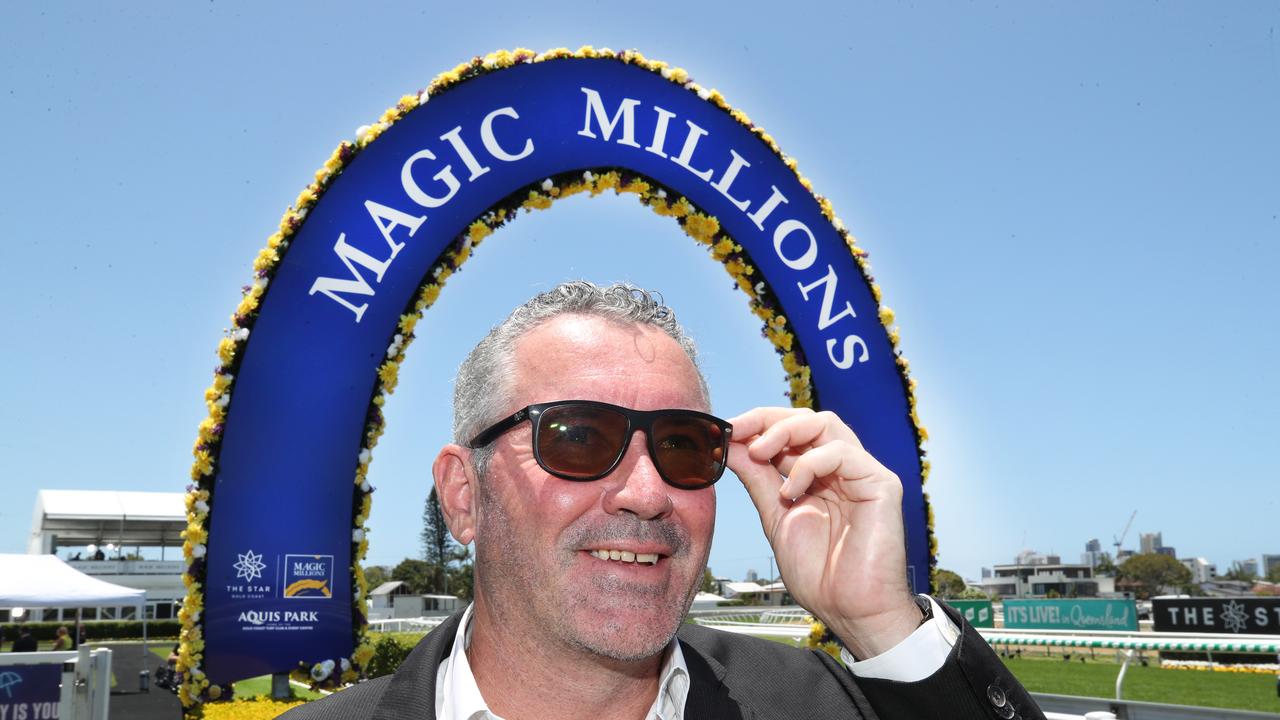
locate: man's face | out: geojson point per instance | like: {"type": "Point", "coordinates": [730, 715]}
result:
{"type": "Point", "coordinates": [535, 533]}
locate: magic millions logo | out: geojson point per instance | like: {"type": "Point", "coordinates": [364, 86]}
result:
{"type": "Point", "coordinates": [308, 576]}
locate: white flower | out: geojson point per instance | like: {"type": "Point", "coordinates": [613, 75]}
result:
{"type": "Point", "coordinates": [365, 456]}
{"type": "Point", "coordinates": [704, 93]}
{"type": "Point", "coordinates": [301, 213]}
{"type": "Point", "coordinates": [423, 97]}
{"type": "Point", "coordinates": [490, 61]}
{"type": "Point", "coordinates": [345, 665]}
{"type": "Point", "coordinates": [586, 175]}
{"type": "Point", "coordinates": [260, 282]}
{"type": "Point", "coordinates": [201, 506]}
{"type": "Point", "coordinates": [666, 73]}
{"type": "Point", "coordinates": [361, 132]}
{"type": "Point", "coordinates": [319, 672]}
{"type": "Point", "coordinates": [197, 550]}
{"type": "Point", "coordinates": [241, 334]}
{"type": "Point", "coordinates": [839, 224]}
{"type": "Point", "coordinates": [547, 185]}
{"type": "Point", "coordinates": [662, 194]}
{"type": "Point", "coordinates": [760, 288]}
{"type": "Point", "coordinates": [365, 487]}
{"type": "Point", "coordinates": [223, 400]}
{"type": "Point", "coordinates": [357, 535]}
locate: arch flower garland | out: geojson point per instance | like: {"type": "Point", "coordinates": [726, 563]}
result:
{"type": "Point", "coordinates": [705, 229]}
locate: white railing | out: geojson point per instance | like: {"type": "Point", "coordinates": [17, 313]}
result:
{"type": "Point", "coordinates": [418, 624]}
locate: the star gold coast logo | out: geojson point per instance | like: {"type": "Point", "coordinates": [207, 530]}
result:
{"type": "Point", "coordinates": [249, 566]}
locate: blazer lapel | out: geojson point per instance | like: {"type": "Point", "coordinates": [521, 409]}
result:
{"type": "Point", "coordinates": [412, 691]}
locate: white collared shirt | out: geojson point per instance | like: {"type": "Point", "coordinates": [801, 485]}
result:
{"type": "Point", "coordinates": [917, 657]}
{"type": "Point", "coordinates": [458, 697]}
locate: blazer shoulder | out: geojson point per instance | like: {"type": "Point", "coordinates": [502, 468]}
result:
{"type": "Point", "coordinates": [356, 701]}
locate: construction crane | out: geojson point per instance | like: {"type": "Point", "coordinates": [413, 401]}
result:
{"type": "Point", "coordinates": [1120, 540]}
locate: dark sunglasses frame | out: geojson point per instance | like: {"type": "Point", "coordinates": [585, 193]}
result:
{"type": "Point", "coordinates": [636, 420]}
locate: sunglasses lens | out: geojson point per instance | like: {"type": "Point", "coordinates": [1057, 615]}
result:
{"type": "Point", "coordinates": [688, 449]}
{"type": "Point", "coordinates": [576, 441]}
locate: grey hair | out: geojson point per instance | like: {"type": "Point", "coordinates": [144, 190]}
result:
{"type": "Point", "coordinates": [482, 388]}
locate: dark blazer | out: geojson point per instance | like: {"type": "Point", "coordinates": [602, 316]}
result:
{"type": "Point", "coordinates": [736, 677]}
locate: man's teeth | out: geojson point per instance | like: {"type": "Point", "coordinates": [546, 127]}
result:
{"type": "Point", "coordinates": [626, 556]}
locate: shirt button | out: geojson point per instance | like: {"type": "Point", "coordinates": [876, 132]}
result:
{"type": "Point", "coordinates": [996, 696]}
{"type": "Point", "coordinates": [1005, 711]}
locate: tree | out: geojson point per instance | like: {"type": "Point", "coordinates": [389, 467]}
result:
{"type": "Point", "coordinates": [1273, 575]}
{"type": "Point", "coordinates": [1238, 572]}
{"type": "Point", "coordinates": [1150, 573]}
{"type": "Point", "coordinates": [438, 546]}
{"type": "Point", "coordinates": [973, 593]}
{"type": "Point", "coordinates": [416, 574]}
{"type": "Point", "coordinates": [708, 581]}
{"type": "Point", "coordinates": [462, 578]}
{"type": "Point", "coordinates": [947, 584]}
{"type": "Point", "coordinates": [375, 575]}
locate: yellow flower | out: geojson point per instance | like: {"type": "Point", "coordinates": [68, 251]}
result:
{"type": "Point", "coordinates": [226, 350]}
{"type": "Point", "coordinates": [408, 322]}
{"type": "Point", "coordinates": [536, 201]}
{"type": "Point", "coordinates": [203, 464]}
{"type": "Point", "coordinates": [721, 249]}
{"type": "Point", "coordinates": [429, 295]}
{"type": "Point", "coordinates": [886, 316]}
{"type": "Point", "coordinates": [389, 374]}
{"type": "Point", "coordinates": [702, 227]}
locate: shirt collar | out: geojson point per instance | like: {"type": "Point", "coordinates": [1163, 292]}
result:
{"type": "Point", "coordinates": [458, 696]}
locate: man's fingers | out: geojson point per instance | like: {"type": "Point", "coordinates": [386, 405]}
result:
{"type": "Point", "coordinates": [762, 482]}
{"type": "Point", "coordinates": [845, 464]}
{"type": "Point", "coordinates": [796, 429]}
{"type": "Point", "coordinates": [753, 422]}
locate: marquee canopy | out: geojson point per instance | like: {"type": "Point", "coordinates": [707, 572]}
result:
{"type": "Point", "coordinates": [44, 581]}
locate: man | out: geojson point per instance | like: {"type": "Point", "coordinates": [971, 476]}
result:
{"type": "Point", "coordinates": [582, 470]}
{"type": "Point", "coordinates": [26, 642]}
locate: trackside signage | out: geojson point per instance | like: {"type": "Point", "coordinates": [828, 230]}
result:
{"type": "Point", "coordinates": [977, 613]}
{"type": "Point", "coordinates": [1073, 614]}
{"type": "Point", "coordinates": [1248, 616]}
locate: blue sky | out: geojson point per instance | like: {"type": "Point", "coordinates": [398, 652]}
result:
{"type": "Point", "coordinates": [1072, 208]}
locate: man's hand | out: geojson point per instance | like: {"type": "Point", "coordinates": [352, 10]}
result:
{"type": "Point", "coordinates": [833, 515]}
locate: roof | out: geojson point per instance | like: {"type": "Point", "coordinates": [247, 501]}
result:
{"type": "Point", "coordinates": [743, 587]}
{"type": "Point", "coordinates": [80, 517]}
{"type": "Point", "coordinates": [387, 588]}
{"type": "Point", "coordinates": [47, 582]}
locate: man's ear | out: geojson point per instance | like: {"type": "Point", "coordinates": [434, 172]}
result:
{"type": "Point", "coordinates": [456, 489]}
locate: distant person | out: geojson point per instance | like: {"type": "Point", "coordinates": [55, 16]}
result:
{"type": "Point", "coordinates": [62, 639]}
{"type": "Point", "coordinates": [99, 555]}
{"type": "Point", "coordinates": [26, 642]}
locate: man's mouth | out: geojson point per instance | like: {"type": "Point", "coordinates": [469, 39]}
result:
{"type": "Point", "coordinates": [625, 556]}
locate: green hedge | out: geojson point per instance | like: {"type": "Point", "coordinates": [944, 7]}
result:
{"type": "Point", "coordinates": [388, 653]}
{"type": "Point", "coordinates": [96, 629]}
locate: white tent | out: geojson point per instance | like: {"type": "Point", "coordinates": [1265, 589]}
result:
{"type": "Point", "coordinates": [44, 581]}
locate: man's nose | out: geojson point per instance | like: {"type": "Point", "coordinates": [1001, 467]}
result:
{"type": "Point", "coordinates": [635, 485]}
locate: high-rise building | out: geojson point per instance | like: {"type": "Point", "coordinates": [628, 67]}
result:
{"type": "Point", "coordinates": [1166, 550]}
{"type": "Point", "coordinates": [1269, 564]}
{"type": "Point", "coordinates": [1150, 541]}
{"type": "Point", "coordinates": [1092, 553]}
{"type": "Point", "coordinates": [1201, 570]}
{"type": "Point", "coordinates": [1248, 566]}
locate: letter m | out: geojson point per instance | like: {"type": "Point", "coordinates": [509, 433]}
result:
{"type": "Point", "coordinates": [355, 286]}
{"type": "Point", "coordinates": [626, 112]}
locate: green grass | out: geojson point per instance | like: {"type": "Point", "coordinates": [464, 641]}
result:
{"type": "Point", "coordinates": [1238, 691]}
{"type": "Point", "coordinates": [251, 687]}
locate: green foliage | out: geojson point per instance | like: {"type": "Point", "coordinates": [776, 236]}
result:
{"type": "Point", "coordinates": [1238, 572]}
{"type": "Point", "coordinates": [416, 574]}
{"type": "Point", "coordinates": [1053, 594]}
{"type": "Point", "coordinates": [947, 584]}
{"type": "Point", "coordinates": [98, 629]}
{"type": "Point", "coordinates": [1151, 572]}
{"type": "Point", "coordinates": [388, 653]}
{"type": "Point", "coordinates": [1274, 575]}
{"type": "Point", "coordinates": [462, 579]}
{"type": "Point", "coordinates": [1105, 568]}
{"type": "Point", "coordinates": [972, 593]}
{"type": "Point", "coordinates": [708, 581]}
{"type": "Point", "coordinates": [375, 575]}
{"type": "Point", "coordinates": [438, 547]}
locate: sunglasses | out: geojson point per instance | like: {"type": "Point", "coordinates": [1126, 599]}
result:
{"type": "Point", "coordinates": [584, 440]}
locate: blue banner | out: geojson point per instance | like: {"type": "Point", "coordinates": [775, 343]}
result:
{"type": "Point", "coordinates": [30, 692]}
{"type": "Point", "coordinates": [278, 578]}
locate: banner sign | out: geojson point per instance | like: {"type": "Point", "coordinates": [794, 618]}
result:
{"type": "Point", "coordinates": [30, 692]}
{"type": "Point", "coordinates": [1072, 614]}
{"type": "Point", "coordinates": [1248, 616]}
{"type": "Point", "coordinates": [977, 613]}
{"type": "Point", "coordinates": [277, 573]}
